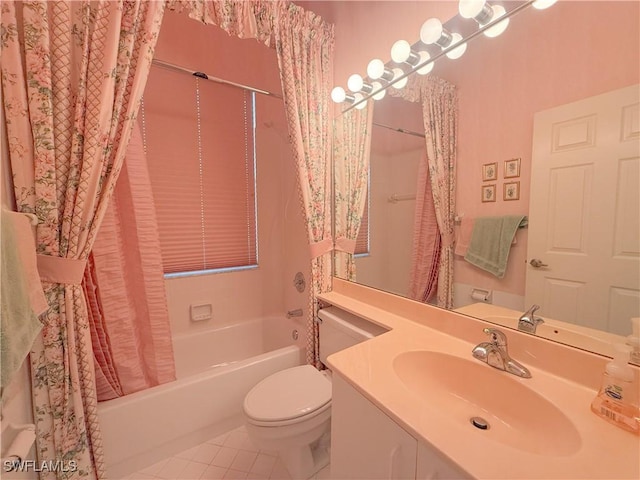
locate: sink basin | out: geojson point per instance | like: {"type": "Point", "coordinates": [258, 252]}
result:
{"type": "Point", "coordinates": [462, 389]}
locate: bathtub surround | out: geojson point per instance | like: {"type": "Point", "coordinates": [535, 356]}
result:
{"type": "Point", "coordinates": [206, 400]}
{"type": "Point", "coordinates": [304, 47]}
{"type": "Point", "coordinates": [69, 117]}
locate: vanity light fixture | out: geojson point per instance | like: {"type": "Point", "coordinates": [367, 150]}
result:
{"type": "Point", "coordinates": [398, 72]}
{"type": "Point", "coordinates": [483, 13]}
{"type": "Point", "coordinates": [376, 70]}
{"type": "Point", "coordinates": [411, 59]}
{"type": "Point", "coordinates": [401, 52]}
{"type": "Point", "coordinates": [358, 97]}
{"type": "Point", "coordinates": [377, 86]}
{"type": "Point", "coordinates": [338, 95]}
{"type": "Point", "coordinates": [542, 4]}
{"type": "Point", "coordinates": [433, 32]}
{"type": "Point", "coordinates": [355, 83]}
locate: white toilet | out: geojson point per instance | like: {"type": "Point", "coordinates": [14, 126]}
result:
{"type": "Point", "coordinates": [290, 411]}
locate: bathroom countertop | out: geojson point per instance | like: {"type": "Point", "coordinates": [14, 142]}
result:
{"type": "Point", "coordinates": [602, 450]}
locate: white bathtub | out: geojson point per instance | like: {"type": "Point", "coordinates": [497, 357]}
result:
{"type": "Point", "coordinates": [215, 370]}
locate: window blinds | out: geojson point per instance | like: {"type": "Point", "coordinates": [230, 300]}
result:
{"type": "Point", "coordinates": [200, 144]}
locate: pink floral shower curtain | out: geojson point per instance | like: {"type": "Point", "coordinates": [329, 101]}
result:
{"type": "Point", "coordinates": [440, 115]}
{"type": "Point", "coordinates": [304, 45]}
{"type": "Point", "coordinates": [72, 77]}
{"type": "Point", "coordinates": [439, 101]}
{"type": "Point", "coordinates": [351, 152]}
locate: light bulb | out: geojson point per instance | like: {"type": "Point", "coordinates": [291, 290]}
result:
{"type": "Point", "coordinates": [542, 4]}
{"type": "Point", "coordinates": [424, 56]}
{"type": "Point", "coordinates": [458, 51]}
{"type": "Point", "coordinates": [380, 95]}
{"type": "Point", "coordinates": [355, 83]}
{"type": "Point", "coordinates": [398, 72]}
{"type": "Point", "coordinates": [375, 69]}
{"type": "Point", "coordinates": [470, 8]}
{"type": "Point", "coordinates": [400, 51]}
{"type": "Point", "coordinates": [356, 98]}
{"type": "Point", "coordinates": [500, 27]}
{"type": "Point", "coordinates": [338, 95]}
{"type": "Point", "coordinates": [431, 31]}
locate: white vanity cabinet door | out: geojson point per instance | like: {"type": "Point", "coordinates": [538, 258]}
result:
{"type": "Point", "coordinates": [432, 466]}
{"type": "Point", "coordinates": [365, 442]}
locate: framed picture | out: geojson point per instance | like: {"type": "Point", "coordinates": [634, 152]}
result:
{"type": "Point", "coordinates": [489, 193]}
{"type": "Point", "coordinates": [512, 168]}
{"type": "Point", "coordinates": [489, 171]}
{"type": "Point", "coordinates": [511, 191]}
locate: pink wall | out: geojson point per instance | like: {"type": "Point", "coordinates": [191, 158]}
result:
{"type": "Point", "coordinates": [267, 290]}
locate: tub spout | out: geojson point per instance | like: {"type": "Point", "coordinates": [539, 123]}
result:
{"type": "Point", "coordinates": [294, 313]}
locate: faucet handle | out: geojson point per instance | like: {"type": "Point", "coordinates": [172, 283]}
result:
{"type": "Point", "coordinates": [498, 338]}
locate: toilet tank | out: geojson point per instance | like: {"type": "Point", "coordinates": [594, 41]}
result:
{"type": "Point", "coordinates": [340, 329]}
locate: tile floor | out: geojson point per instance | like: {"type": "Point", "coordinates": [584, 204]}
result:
{"type": "Point", "coordinates": [231, 455]}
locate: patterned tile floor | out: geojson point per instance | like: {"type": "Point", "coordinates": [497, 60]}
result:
{"type": "Point", "coordinates": [231, 455]}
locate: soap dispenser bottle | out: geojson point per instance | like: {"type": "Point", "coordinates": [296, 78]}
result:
{"type": "Point", "coordinates": [617, 400]}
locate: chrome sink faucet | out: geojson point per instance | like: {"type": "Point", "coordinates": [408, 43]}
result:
{"type": "Point", "coordinates": [495, 353]}
{"type": "Point", "coordinates": [528, 322]}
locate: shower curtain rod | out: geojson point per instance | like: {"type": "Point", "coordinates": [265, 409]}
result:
{"type": "Point", "coordinates": [177, 68]}
{"type": "Point", "coordinates": [399, 130]}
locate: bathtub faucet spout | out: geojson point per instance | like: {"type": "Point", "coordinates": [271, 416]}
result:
{"type": "Point", "coordinates": [294, 313]}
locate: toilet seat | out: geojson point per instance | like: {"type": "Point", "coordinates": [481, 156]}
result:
{"type": "Point", "coordinates": [289, 396]}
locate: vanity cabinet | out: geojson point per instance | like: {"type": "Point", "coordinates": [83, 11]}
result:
{"type": "Point", "coordinates": [432, 466]}
{"type": "Point", "coordinates": [367, 444]}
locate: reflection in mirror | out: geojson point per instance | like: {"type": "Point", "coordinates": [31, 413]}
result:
{"type": "Point", "coordinates": [568, 53]}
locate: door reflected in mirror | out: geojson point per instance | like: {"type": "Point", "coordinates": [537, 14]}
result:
{"type": "Point", "coordinates": [568, 53]}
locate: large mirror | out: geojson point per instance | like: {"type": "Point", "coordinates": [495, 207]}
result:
{"type": "Point", "coordinates": [568, 53]}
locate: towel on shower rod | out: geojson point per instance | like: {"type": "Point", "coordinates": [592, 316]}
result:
{"type": "Point", "coordinates": [491, 241]}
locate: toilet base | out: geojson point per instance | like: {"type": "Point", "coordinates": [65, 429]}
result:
{"type": "Point", "coordinates": [303, 462]}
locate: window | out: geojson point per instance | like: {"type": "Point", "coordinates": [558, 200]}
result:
{"type": "Point", "coordinates": [362, 242]}
{"type": "Point", "coordinates": [200, 144]}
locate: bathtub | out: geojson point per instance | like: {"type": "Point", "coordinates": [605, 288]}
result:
{"type": "Point", "coordinates": [215, 369]}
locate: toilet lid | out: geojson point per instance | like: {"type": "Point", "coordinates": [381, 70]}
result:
{"type": "Point", "coordinates": [288, 394]}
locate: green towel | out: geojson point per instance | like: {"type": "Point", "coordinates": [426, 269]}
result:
{"type": "Point", "coordinates": [19, 326]}
{"type": "Point", "coordinates": [491, 240]}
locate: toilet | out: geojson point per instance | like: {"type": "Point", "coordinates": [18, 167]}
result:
{"type": "Point", "coordinates": [290, 411]}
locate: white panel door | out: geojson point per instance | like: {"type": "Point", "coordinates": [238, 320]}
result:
{"type": "Point", "coordinates": [584, 215]}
